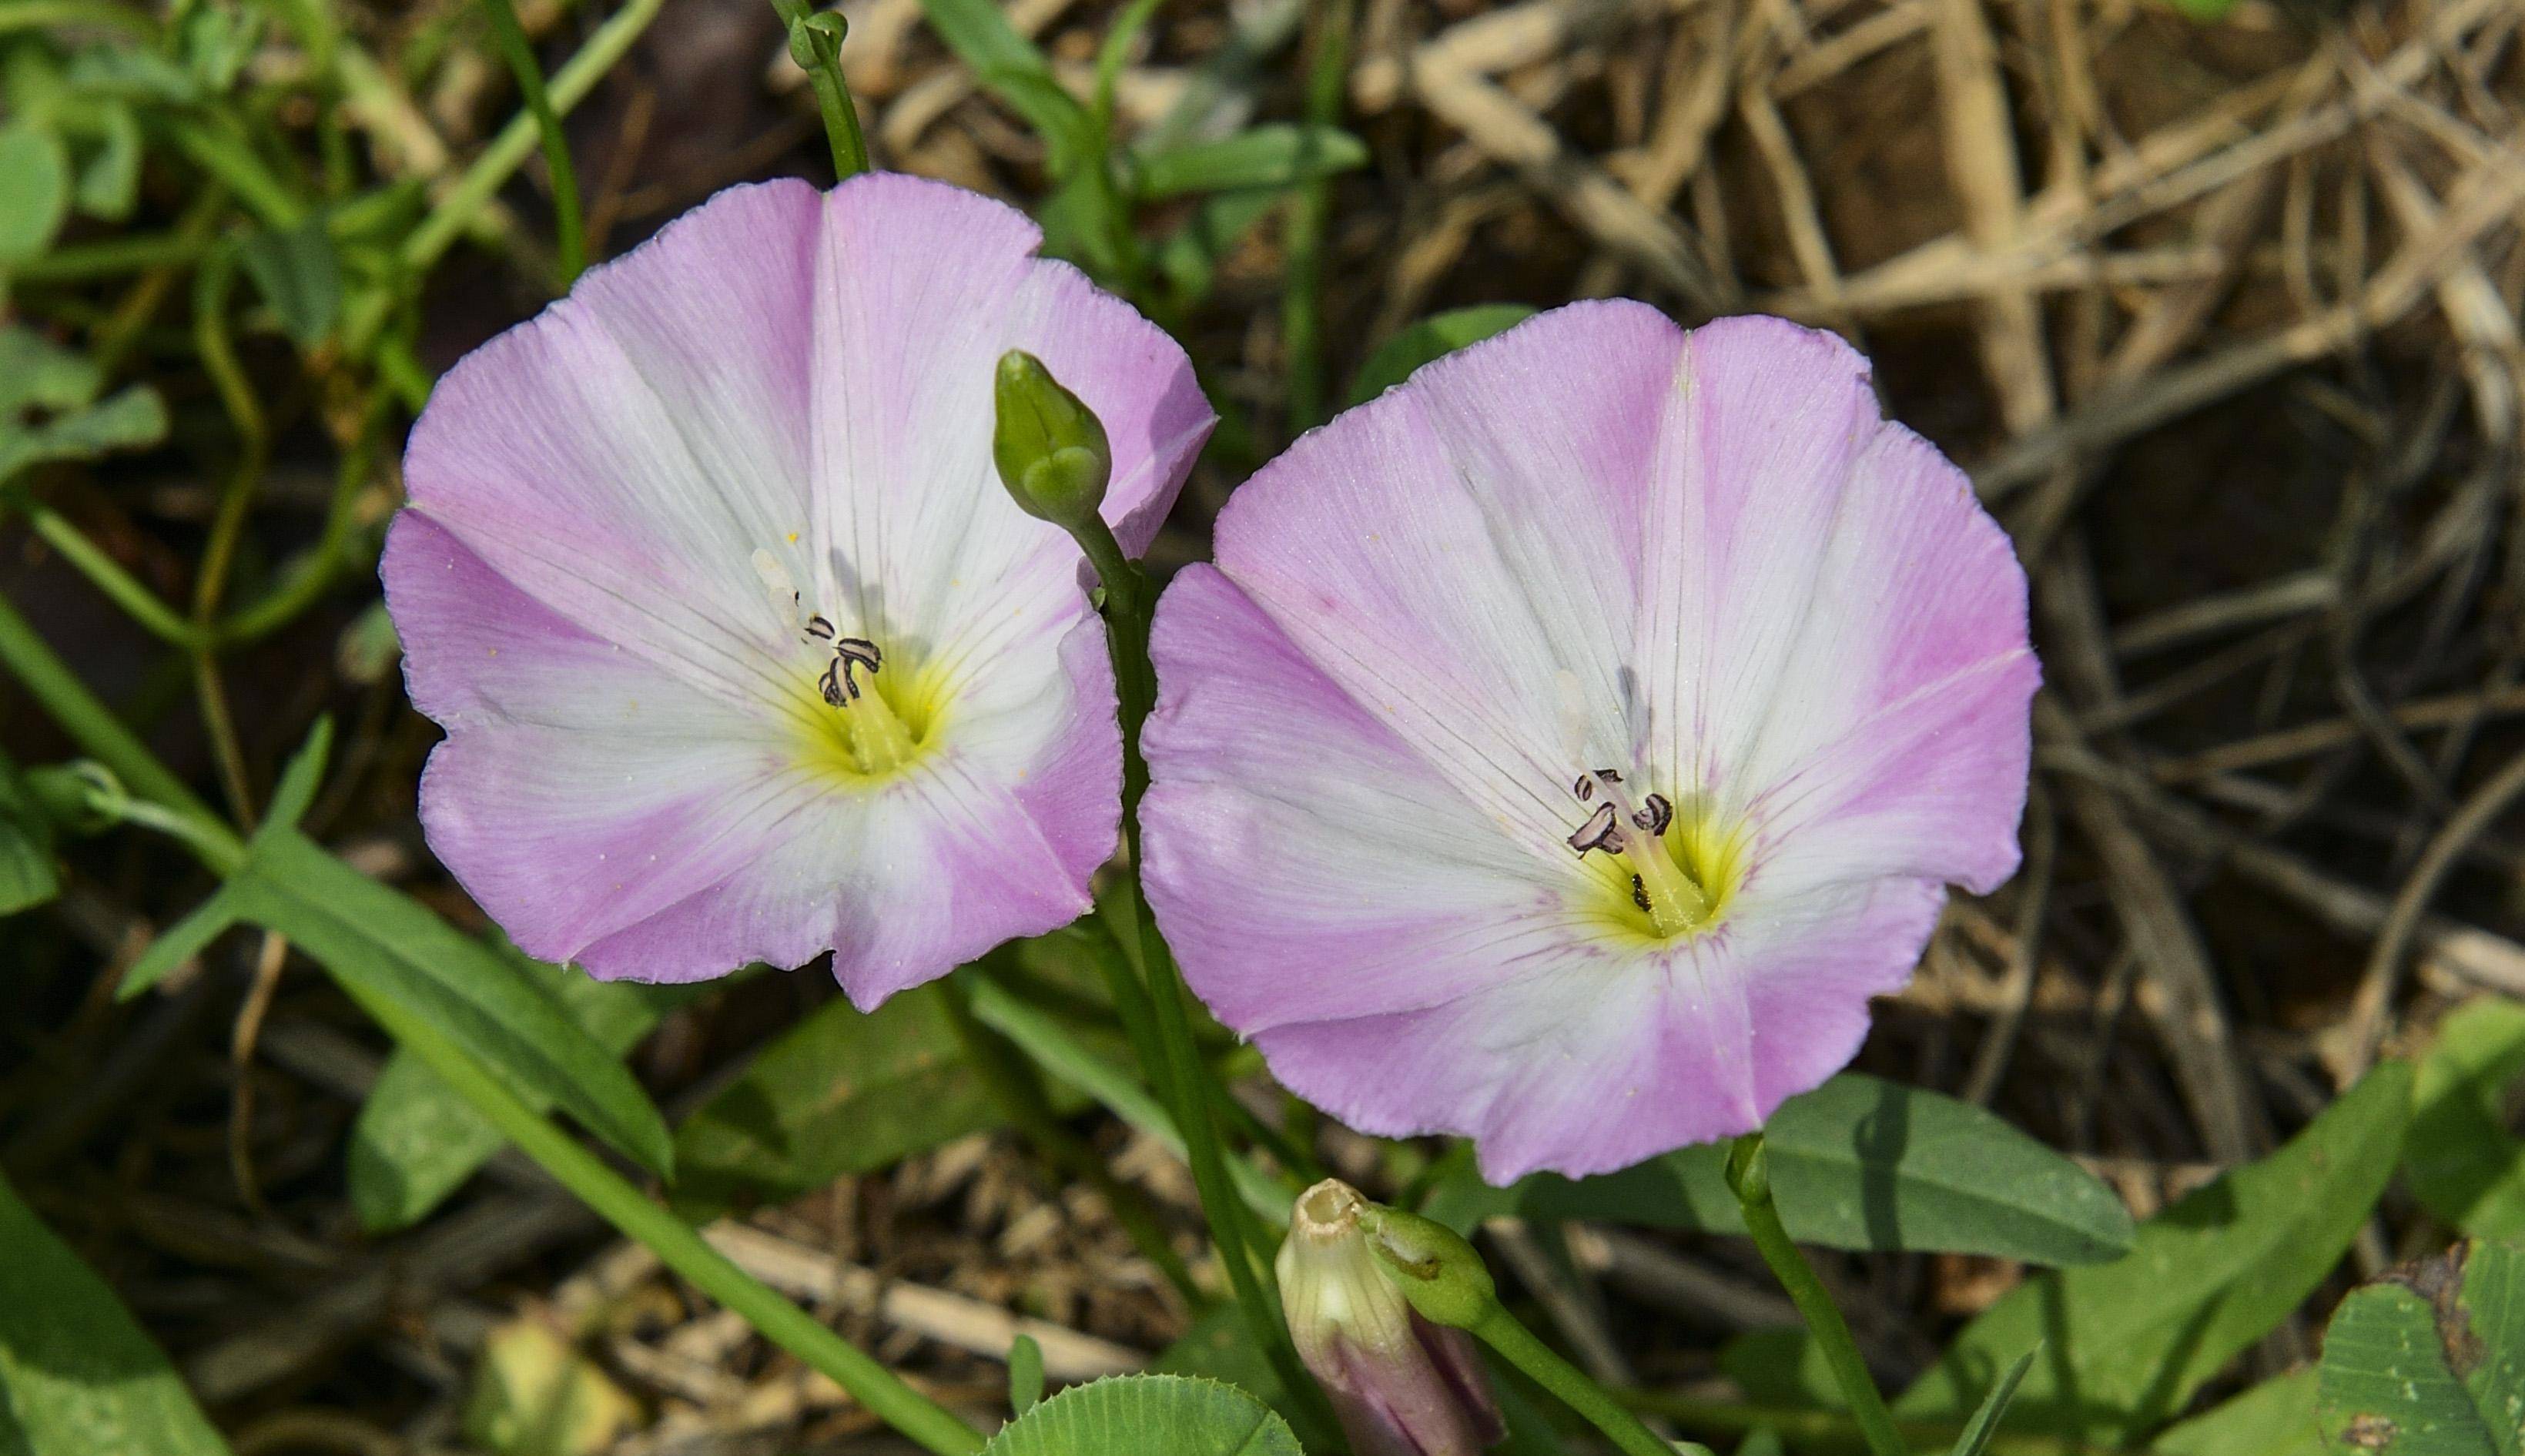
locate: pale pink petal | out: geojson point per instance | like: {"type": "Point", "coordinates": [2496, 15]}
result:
{"type": "Point", "coordinates": [1600, 1061]}
{"type": "Point", "coordinates": [1303, 862]}
{"type": "Point", "coordinates": [1895, 741]}
{"type": "Point", "coordinates": [1457, 554]}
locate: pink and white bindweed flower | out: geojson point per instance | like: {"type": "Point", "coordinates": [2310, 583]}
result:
{"type": "Point", "coordinates": [742, 651]}
{"type": "Point", "coordinates": [1568, 744]}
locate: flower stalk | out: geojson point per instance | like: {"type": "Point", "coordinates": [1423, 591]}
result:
{"type": "Point", "coordinates": [815, 44]}
{"type": "Point", "coordinates": [1044, 445]}
{"type": "Point", "coordinates": [1446, 1284]}
{"type": "Point", "coordinates": [1749, 1174]}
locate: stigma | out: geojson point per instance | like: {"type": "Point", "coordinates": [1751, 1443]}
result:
{"type": "Point", "coordinates": [1634, 835]}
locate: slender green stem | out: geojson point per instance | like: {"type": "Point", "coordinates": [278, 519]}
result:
{"type": "Point", "coordinates": [107, 257]}
{"type": "Point", "coordinates": [1020, 1095]}
{"type": "Point", "coordinates": [1243, 1251]}
{"type": "Point", "coordinates": [218, 146]}
{"type": "Point", "coordinates": [457, 208]}
{"type": "Point", "coordinates": [119, 587]}
{"type": "Point", "coordinates": [577, 1169]}
{"type": "Point", "coordinates": [211, 287]}
{"type": "Point", "coordinates": [1749, 1173]}
{"type": "Point", "coordinates": [677, 1246]}
{"type": "Point", "coordinates": [1301, 319]}
{"type": "Point", "coordinates": [29, 15]}
{"type": "Point", "coordinates": [1517, 1345]}
{"type": "Point", "coordinates": [570, 234]}
{"type": "Point", "coordinates": [301, 588]}
{"type": "Point", "coordinates": [103, 736]}
{"type": "Point", "coordinates": [815, 44]}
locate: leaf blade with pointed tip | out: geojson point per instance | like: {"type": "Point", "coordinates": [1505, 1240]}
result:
{"type": "Point", "coordinates": [77, 1374]}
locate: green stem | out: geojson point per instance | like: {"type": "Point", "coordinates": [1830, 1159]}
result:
{"type": "Point", "coordinates": [677, 1246]}
{"type": "Point", "coordinates": [457, 208]}
{"type": "Point", "coordinates": [1516, 1344]}
{"type": "Point", "coordinates": [570, 234]}
{"type": "Point", "coordinates": [815, 44]}
{"type": "Point", "coordinates": [1023, 1100]}
{"type": "Point", "coordinates": [1749, 1173]}
{"type": "Point", "coordinates": [97, 731]}
{"type": "Point", "coordinates": [103, 736]}
{"type": "Point", "coordinates": [1302, 321]}
{"type": "Point", "coordinates": [29, 15]}
{"type": "Point", "coordinates": [1243, 1251]}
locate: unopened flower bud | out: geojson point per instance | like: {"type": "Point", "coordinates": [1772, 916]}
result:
{"type": "Point", "coordinates": [1401, 1385]}
{"type": "Point", "coordinates": [1049, 446]}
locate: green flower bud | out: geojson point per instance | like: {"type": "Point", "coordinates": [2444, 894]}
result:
{"type": "Point", "coordinates": [1435, 1268]}
{"type": "Point", "coordinates": [1049, 446]}
{"type": "Point", "coordinates": [1401, 1385]}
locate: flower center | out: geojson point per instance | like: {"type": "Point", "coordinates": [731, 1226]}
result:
{"type": "Point", "coordinates": [1663, 888]}
{"type": "Point", "coordinates": [852, 727]}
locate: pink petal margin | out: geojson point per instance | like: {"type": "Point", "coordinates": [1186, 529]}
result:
{"type": "Point", "coordinates": [1753, 587]}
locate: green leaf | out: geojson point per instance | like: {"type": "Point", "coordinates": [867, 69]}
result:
{"type": "Point", "coordinates": [1864, 1164]}
{"type": "Point", "coordinates": [1147, 1415]}
{"type": "Point", "coordinates": [178, 944]}
{"type": "Point", "coordinates": [1007, 64]}
{"type": "Point", "coordinates": [382, 944]}
{"type": "Point", "coordinates": [130, 419]}
{"type": "Point", "coordinates": [2128, 1343]}
{"type": "Point", "coordinates": [416, 1140]}
{"type": "Point", "coordinates": [2275, 1418]}
{"type": "Point", "coordinates": [2431, 1362]}
{"type": "Point", "coordinates": [301, 777]}
{"type": "Point", "coordinates": [37, 374]}
{"type": "Point", "coordinates": [1984, 1424]}
{"type": "Point", "coordinates": [300, 275]}
{"type": "Point", "coordinates": [28, 877]}
{"type": "Point", "coordinates": [1277, 154]}
{"type": "Point", "coordinates": [35, 190]}
{"type": "Point", "coordinates": [1433, 336]}
{"type": "Point", "coordinates": [2464, 1164]}
{"type": "Point", "coordinates": [842, 1091]}
{"type": "Point", "coordinates": [77, 1376]}
{"type": "Point", "coordinates": [1189, 256]}
{"type": "Point", "coordinates": [1025, 1375]}
{"type": "Point", "coordinates": [109, 181]}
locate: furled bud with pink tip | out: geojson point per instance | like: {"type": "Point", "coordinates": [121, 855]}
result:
{"type": "Point", "coordinates": [1401, 1385]}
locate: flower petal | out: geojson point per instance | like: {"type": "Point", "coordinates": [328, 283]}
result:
{"type": "Point", "coordinates": [1755, 454]}
{"type": "Point", "coordinates": [605, 814]}
{"type": "Point", "coordinates": [1896, 740]}
{"type": "Point", "coordinates": [1459, 555]}
{"type": "Point", "coordinates": [923, 287]}
{"type": "Point", "coordinates": [579, 585]}
{"type": "Point", "coordinates": [1594, 1064]}
{"type": "Point", "coordinates": [649, 431]}
{"type": "Point", "coordinates": [1286, 827]}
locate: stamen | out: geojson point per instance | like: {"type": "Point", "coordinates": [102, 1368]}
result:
{"type": "Point", "coordinates": [818, 627]}
{"type": "Point", "coordinates": [1602, 831]}
{"type": "Point", "coordinates": [837, 684]}
{"type": "Point", "coordinates": [1674, 903]}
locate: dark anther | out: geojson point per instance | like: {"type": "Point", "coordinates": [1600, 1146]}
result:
{"type": "Point", "coordinates": [1608, 775]}
{"type": "Point", "coordinates": [837, 684]}
{"type": "Point", "coordinates": [1585, 788]}
{"type": "Point", "coordinates": [1596, 833]}
{"type": "Point", "coordinates": [818, 626]}
{"type": "Point", "coordinates": [1653, 815]}
{"type": "Point", "coordinates": [1640, 895]}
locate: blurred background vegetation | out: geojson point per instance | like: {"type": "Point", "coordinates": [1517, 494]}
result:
{"type": "Point", "coordinates": [2219, 306]}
